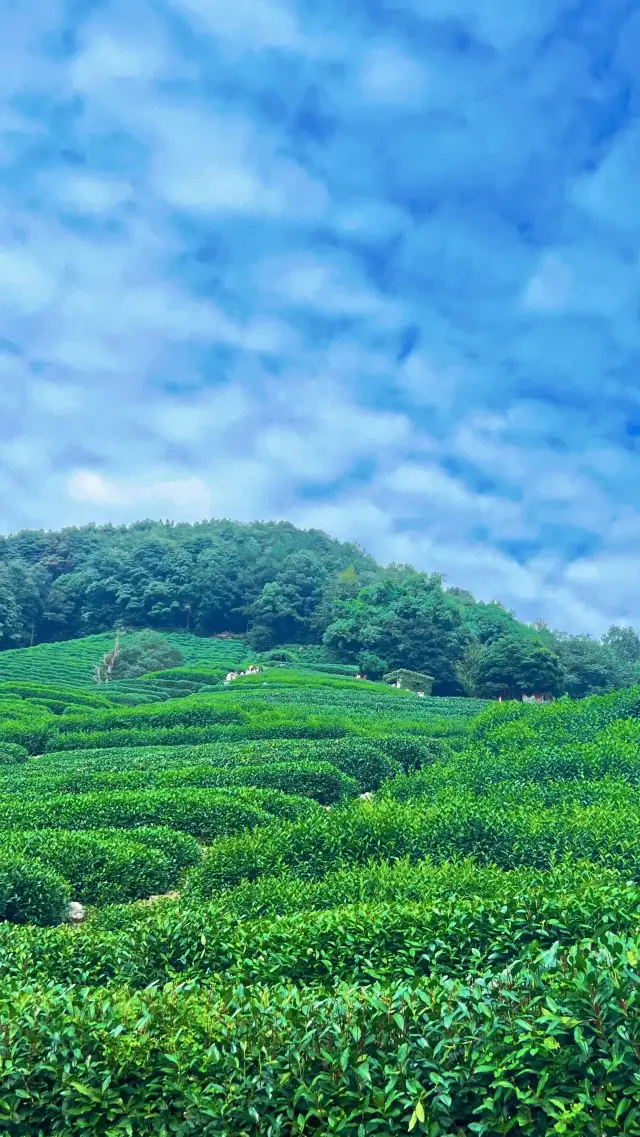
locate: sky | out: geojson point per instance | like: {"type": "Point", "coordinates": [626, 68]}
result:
{"type": "Point", "coordinates": [371, 268]}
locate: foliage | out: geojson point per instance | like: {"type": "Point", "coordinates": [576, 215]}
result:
{"type": "Point", "coordinates": [145, 652]}
{"type": "Point", "coordinates": [260, 638]}
{"type": "Point", "coordinates": [12, 754]}
{"type": "Point", "coordinates": [31, 891]}
{"type": "Point", "coordinates": [274, 584]}
{"type": "Point", "coordinates": [410, 680]}
{"type": "Point", "coordinates": [204, 813]}
{"type": "Point", "coordinates": [456, 951]}
{"type": "Point", "coordinates": [371, 665]}
{"type": "Point", "coordinates": [516, 664]}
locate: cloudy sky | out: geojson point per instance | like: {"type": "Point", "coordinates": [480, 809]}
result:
{"type": "Point", "coordinates": [371, 267]}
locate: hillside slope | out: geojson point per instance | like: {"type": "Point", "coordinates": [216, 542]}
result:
{"type": "Point", "coordinates": [277, 584]}
{"type": "Point", "coordinates": [313, 904]}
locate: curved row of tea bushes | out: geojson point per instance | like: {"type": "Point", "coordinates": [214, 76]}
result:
{"type": "Point", "coordinates": [204, 813]}
{"type": "Point", "coordinates": [58, 693]}
{"type": "Point", "coordinates": [509, 835]}
{"type": "Point", "coordinates": [372, 921]}
{"type": "Point", "coordinates": [70, 663]}
{"type": "Point", "coordinates": [318, 780]}
{"type": "Point", "coordinates": [481, 772]}
{"type": "Point", "coordinates": [501, 726]}
{"type": "Point", "coordinates": [370, 761]}
{"type": "Point", "coordinates": [107, 866]}
{"type": "Point", "coordinates": [11, 754]}
{"type": "Point", "coordinates": [31, 892]}
{"type": "Point", "coordinates": [248, 701]}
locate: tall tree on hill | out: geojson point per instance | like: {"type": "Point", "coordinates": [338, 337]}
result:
{"type": "Point", "coordinates": [515, 664]}
{"type": "Point", "coordinates": [408, 621]}
{"type": "Point", "coordinates": [623, 642]}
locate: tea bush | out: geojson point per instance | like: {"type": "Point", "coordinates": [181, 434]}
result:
{"type": "Point", "coordinates": [31, 892]}
{"type": "Point", "coordinates": [11, 753]}
{"type": "Point", "coordinates": [318, 780]}
{"type": "Point", "coordinates": [205, 814]}
{"type": "Point", "coordinates": [458, 952]}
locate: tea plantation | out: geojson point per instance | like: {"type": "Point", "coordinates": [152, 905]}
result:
{"type": "Point", "coordinates": [314, 904]}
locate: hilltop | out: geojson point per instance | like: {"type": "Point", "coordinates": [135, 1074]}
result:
{"type": "Point", "coordinates": [275, 584]}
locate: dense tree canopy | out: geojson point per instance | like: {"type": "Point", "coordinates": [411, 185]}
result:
{"type": "Point", "coordinates": [136, 655]}
{"type": "Point", "coordinates": [282, 585]}
{"type": "Point", "coordinates": [516, 663]}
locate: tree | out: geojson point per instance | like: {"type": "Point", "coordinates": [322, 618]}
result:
{"type": "Point", "coordinates": [407, 620]}
{"type": "Point", "coordinates": [260, 638]}
{"type": "Point", "coordinates": [466, 668]}
{"type": "Point", "coordinates": [371, 665]}
{"type": "Point", "coordinates": [136, 655]}
{"type": "Point", "coordinates": [589, 667]}
{"type": "Point", "coordinates": [487, 622]}
{"type": "Point", "coordinates": [623, 642]}
{"type": "Point", "coordinates": [11, 626]}
{"type": "Point", "coordinates": [281, 584]}
{"type": "Point", "coordinates": [517, 664]}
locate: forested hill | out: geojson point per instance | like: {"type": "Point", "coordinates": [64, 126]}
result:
{"type": "Point", "coordinates": [280, 585]}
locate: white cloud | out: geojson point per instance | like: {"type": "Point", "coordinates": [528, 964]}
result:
{"type": "Point", "coordinates": [334, 289]}
{"type": "Point", "coordinates": [91, 195]}
{"type": "Point", "coordinates": [24, 453]}
{"type": "Point", "coordinates": [388, 75]}
{"type": "Point", "coordinates": [609, 193]}
{"type": "Point", "coordinates": [325, 434]}
{"type": "Point", "coordinates": [479, 439]}
{"type": "Point", "coordinates": [189, 495]}
{"type": "Point", "coordinates": [246, 24]}
{"type": "Point", "coordinates": [427, 385]}
{"type": "Point", "coordinates": [208, 417]}
{"type": "Point", "coordinates": [108, 59]}
{"type": "Point", "coordinates": [56, 398]}
{"type": "Point", "coordinates": [213, 163]}
{"type": "Point", "coordinates": [548, 289]}
{"type": "Point", "coordinates": [442, 492]}
{"type": "Point", "coordinates": [242, 222]}
{"type": "Point", "coordinates": [25, 286]}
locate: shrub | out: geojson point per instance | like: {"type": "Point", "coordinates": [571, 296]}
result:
{"type": "Point", "coordinates": [364, 760]}
{"type": "Point", "coordinates": [11, 753]}
{"type": "Point", "coordinates": [34, 735]}
{"type": "Point", "coordinates": [318, 780]}
{"type": "Point", "coordinates": [205, 814]}
{"type": "Point", "coordinates": [31, 892]}
{"type": "Point", "coordinates": [260, 638]}
{"type": "Point", "coordinates": [134, 655]}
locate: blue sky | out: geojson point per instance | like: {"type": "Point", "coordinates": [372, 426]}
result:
{"type": "Point", "coordinates": [370, 267]}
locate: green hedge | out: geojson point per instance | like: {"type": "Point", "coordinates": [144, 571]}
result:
{"type": "Point", "coordinates": [12, 754]}
{"type": "Point", "coordinates": [366, 760]}
{"type": "Point", "coordinates": [509, 834]}
{"type": "Point", "coordinates": [205, 814]}
{"type": "Point", "coordinates": [31, 891]}
{"type": "Point", "coordinates": [373, 921]}
{"type": "Point", "coordinates": [552, 1052]}
{"type": "Point", "coordinates": [105, 867]}
{"type": "Point", "coordinates": [518, 992]}
{"type": "Point", "coordinates": [58, 693]}
{"type": "Point", "coordinates": [184, 735]}
{"type": "Point", "coordinates": [35, 734]}
{"type": "Point", "coordinates": [318, 780]}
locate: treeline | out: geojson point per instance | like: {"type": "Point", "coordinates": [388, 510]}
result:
{"type": "Point", "coordinates": [280, 585]}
